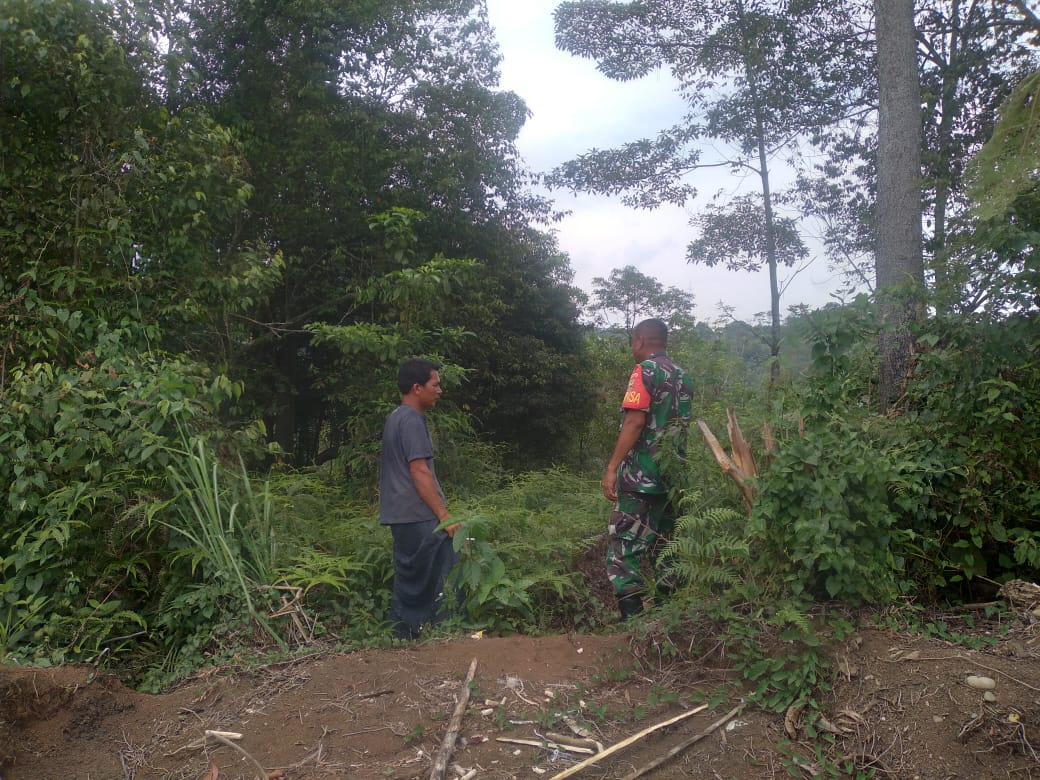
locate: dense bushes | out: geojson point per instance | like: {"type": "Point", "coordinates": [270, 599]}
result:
{"type": "Point", "coordinates": [83, 456]}
{"type": "Point", "coordinates": [945, 495]}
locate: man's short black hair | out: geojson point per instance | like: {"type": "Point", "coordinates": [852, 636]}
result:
{"type": "Point", "coordinates": [653, 330]}
{"type": "Point", "coordinates": [415, 372]}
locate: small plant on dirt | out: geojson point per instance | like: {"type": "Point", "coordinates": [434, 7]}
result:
{"type": "Point", "coordinates": [597, 713]}
{"type": "Point", "coordinates": [909, 619]}
{"type": "Point", "coordinates": [501, 717]}
{"type": "Point", "coordinates": [414, 734]}
{"type": "Point", "coordinates": [659, 696]}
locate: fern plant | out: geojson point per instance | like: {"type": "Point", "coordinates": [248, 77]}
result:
{"type": "Point", "coordinates": [707, 549]}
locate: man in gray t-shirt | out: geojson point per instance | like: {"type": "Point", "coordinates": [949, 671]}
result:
{"type": "Point", "coordinates": [412, 503]}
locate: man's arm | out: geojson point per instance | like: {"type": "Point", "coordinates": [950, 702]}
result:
{"type": "Point", "coordinates": [426, 487]}
{"type": "Point", "coordinates": [631, 429]}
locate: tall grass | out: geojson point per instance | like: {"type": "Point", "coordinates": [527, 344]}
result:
{"type": "Point", "coordinates": [229, 531]}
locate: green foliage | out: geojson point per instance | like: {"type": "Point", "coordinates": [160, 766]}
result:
{"type": "Point", "coordinates": [83, 453]}
{"type": "Point", "coordinates": [311, 569]}
{"type": "Point", "coordinates": [708, 550]}
{"type": "Point", "coordinates": [735, 235]}
{"type": "Point", "coordinates": [864, 508]}
{"type": "Point", "coordinates": [824, 519]}
{"type": "Point", "coordinates": [975, 395]}
{"type": "Point", "coordinates": [114, 211]}
{"type": "Point", "coordinates": [636, 296]}
{"type": "Point", "coordinates": [1005, 168]}
{"type": "Point", "coordinates": [517, 545]}
{"type": "Point", "coordinates": [790, 673]}
{"type": "Point", "coordinates": [911, 619]}
{"type": "Point", "coordinates": [226, 535]}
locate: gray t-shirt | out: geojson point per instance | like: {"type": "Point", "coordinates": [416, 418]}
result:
{"type": "Point", "coordinates": [405, 438]}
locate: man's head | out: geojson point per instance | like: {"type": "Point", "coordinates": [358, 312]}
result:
{"type": "Point", "coordinates": [648, 337]}
{"type": "Point", "coordinates": [419, 383]}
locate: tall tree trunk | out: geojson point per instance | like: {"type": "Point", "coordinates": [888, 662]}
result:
{"type": "Point", "coordinates": [750, 74]}
{"type": "Point", "coordinates": [947, 108]}
{"type": "Point", "coordinates": [898, 263]}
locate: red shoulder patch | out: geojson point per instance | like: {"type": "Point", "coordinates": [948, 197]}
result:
{"type": "Point", "coordinates": [636, 396]}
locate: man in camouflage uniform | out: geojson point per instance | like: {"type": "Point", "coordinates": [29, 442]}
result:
{"type": "Point", "coordinates": [658, 398]}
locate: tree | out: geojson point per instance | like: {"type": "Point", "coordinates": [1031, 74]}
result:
{"type": "Point", "coordinates": [635, 296]}
{"type": "Point", "coordinates": [970, 55]}
{"type": "Point", "coordinates": [114, 213]}
{"type": "Point", "coordinates": [117, 237]}
{"type": "Point", "coordinates": [756, 74]}
{"type": "Point", "coordinates": [1004, 186]}
{"type": "Point", "coordinates": [351, 111]}
{"type": "Point", "coordinates": [899, 264]}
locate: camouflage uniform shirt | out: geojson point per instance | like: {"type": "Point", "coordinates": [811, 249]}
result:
{"type": "Point", "coordinates": [662, 389]}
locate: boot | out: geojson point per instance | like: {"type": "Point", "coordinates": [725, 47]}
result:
{"type": "Point", "coordinates": [663, 590]}
{"type": "Point", "coordinates": [630, 605]}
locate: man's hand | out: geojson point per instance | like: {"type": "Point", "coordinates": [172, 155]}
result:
{"type": "Point", "coordinates": [451, 529]}
{"type": "Point", "coordinates": [631, 429]}
{"type": "Point", "coordinates": [609, 485]}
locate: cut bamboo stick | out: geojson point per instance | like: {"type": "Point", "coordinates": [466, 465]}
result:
{"type": "Point", "coordinates": [685, 744]}
{"type": "Point", "coordinates": [625, 743]}
{"type": "Point", "coordinates": [548, 744]}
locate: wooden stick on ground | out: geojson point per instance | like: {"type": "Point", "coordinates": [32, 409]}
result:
{"type": "Point", "coordinates": [547, 744]}
{"type": "Point", "coordinates": [685, 744]}
{"type": "Point", "coordinates": [625, 743]}
{"type": "Point", "coordinates": [440, 766]}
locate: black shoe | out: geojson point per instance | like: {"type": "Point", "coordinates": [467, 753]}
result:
{"type": "Point", "coordinates": [630, 606]}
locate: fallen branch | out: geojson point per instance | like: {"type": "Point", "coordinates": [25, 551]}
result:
{"type": "Point", "coordinates": [625, 743]}
{"type": "Point", "coordinates": [440, 766]}
{"type": "Point", "coordinates": [201, 742]}
{"type": "Point", "coordinates": [219, 736]}
{"type": "Point", "coordinates": [685, 744]}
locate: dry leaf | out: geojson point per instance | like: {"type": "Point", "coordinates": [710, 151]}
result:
{"type": "Point", "coordinates": [213, 773]}
{"type": "Point", "coordinates": [791, 721]}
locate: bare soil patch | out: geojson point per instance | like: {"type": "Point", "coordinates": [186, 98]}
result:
{"type": "Point", "coordinates": [901, 709]}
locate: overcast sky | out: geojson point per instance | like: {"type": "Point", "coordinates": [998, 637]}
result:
{"type": "Point", "coordinates": [575, 108]}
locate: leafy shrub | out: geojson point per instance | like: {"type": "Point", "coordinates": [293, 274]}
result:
{"type": "Point", "coordinates": [976, 396]}
{"type": "Point", "coordinates": [82, 455]}
{"type": "Point", "coordinates": [517, 545]}
{"type": "Point", "coordinates": [863, 508]}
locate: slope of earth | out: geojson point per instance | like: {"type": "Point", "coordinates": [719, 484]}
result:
{"type": "Point", "coordinates": [901, 708]}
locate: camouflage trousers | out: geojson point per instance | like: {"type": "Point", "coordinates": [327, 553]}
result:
{"type": "Point", "coordinates": [639, 526]}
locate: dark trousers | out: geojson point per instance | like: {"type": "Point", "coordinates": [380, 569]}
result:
{"type": "Point", "coordinates": [422, 561]}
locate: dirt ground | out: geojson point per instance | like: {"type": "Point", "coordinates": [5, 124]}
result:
{"type": "Point", "coordinates": [902, 708]}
